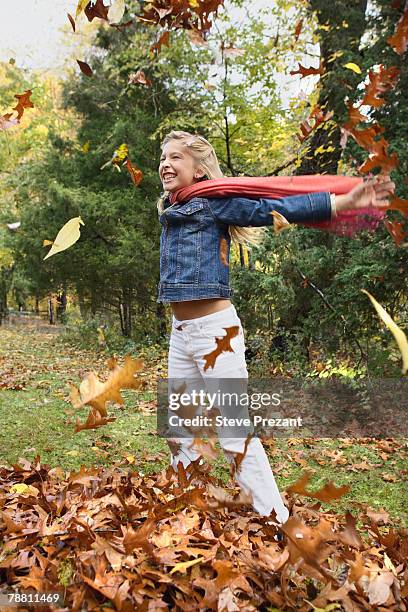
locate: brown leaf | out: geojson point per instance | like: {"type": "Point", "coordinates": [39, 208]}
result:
{"type": "Point", "coordinates": [135, 174]}
{"type": "Point", "coordinates": [139, 77]}
{"type": "Point", "coordinates": [327, 493]}
{"type": "Point", "coordinates": [85, 68]}
{"type": "Point", "coordinates": [396, 231]}
{"type": "Point", "coordinates": [304, 72]}
{"type": "Point", "coordinates": [97, 9]}
{"type": "Point", "coordinates": [163, 40]}
{"type": "Point", "coordinates": [72, 21]}
{"type": "Point", "coordinates": [23, 103]}
{"type": "Point", "coordinates": [223, 346]}
{"type": "Point", "coordinates": [96, 393]}
{"type": "Point", "coordinates": [399, 40]}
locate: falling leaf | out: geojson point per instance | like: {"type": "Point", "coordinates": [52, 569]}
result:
{"type": "Point", "coordinates": [233, 51]}
{"type": "Point", "coordinates": [135, 174]}
{"type": "Point", "coordinates": [223, 345]}
{"type": "Point", "coordinates": [163, 40]}
{"type": "Point", "coordinates": [380, 81]}
{"type": "Point", "coordinates": [72, 21]}
{"type": "Point", "coordinates": [66, 237]}
{"type": "Point", "coordinates": [352, 66]}
{"type": "Point", "coordinates": [139, 77]}
{"type": "Point", "coordinates": [304, 72]}
{"type": "Point", "coordinates": [120, 154]}
{"type": "Point", "coordinates": [6, 122]}
{"type": "Point", "coordinates": [85, 68]}
{"type": "Point", "coordinates": [399, 204]}
{"type": "Point", "coordinates": [116, 11]}
{"type": "Point", "coordinates": [298, 29]}
{"type": "Point", "coordinates": [95, 393]}
{"type": "Point", "coordinates": [197, 38]}
{"type": "Point", "coordinates": [23, 103]}
{"type": "Point", "coordinates": [327, 493]}
{"type": "Point", "coordinates": [14, 226]}
{"type": "Point", "coordinates": [396, 230]}
{"type": "Point", "coordinates": [398, 334]}
{"type": "Point", "coordinates": [399, 40]}
{"type": "Point", "coordinates": [82, 4]}
{"type": "Point", "coordinates": [279, 222]}
{"type": "Point", "coordinates": [96, 9]}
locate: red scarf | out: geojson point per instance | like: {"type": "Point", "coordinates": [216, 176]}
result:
{"type": "Point", "coordinates": [346, 223]}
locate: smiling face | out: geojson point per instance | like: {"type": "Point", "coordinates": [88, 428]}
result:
{"type": "Point", "coordinates": [177, 167]}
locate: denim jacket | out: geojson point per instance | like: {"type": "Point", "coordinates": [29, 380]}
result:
{"type": "Point", "coordinates": [193, 257]}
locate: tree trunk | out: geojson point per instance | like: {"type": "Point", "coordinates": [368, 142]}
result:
{"type": "Point", "coordinates": [337, 81]}
{"type": "Point", "coordinates": [51, 314]}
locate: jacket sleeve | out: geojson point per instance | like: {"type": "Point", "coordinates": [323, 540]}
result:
{"type": "Point", "coordinates": [257, 212]}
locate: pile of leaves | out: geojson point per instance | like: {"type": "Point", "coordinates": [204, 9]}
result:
{"type": "Point", "coordinates": [178, 541]}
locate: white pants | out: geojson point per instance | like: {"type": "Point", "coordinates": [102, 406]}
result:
{"type": "Point", "coordinates": [190, 341]}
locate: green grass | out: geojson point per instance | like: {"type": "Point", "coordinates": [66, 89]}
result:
{"type": "Point", "coordinates": [39, 420]}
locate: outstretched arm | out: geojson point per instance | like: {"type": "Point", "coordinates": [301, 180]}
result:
{"type": "Point", "coordinates": [309, 208]}
{"type": "Point", "coordinates": [246, 212]}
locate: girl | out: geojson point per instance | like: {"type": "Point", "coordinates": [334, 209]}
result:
{"type": "Point", "coordinates": [194, 279]}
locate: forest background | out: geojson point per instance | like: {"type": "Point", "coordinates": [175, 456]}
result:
{"type": "Point", "coordinates": [233, 84]}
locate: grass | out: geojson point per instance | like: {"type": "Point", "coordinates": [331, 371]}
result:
{"type": "Point", "coordinates": [39, 420]}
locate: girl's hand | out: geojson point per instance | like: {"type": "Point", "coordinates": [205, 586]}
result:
{"type": "Point", "coordinates": [374, 192]}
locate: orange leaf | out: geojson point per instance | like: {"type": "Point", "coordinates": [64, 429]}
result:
{"type": "Point", "coordinates": [325, 494]}
{"type": "Point", "coordinates": [399, 204]}
{"type": "Point", "coordinates": [379, 82]}
{"type": "Point", "coordinates": [96, 393]}
{"type": "Point", "coordinates": [23, 103]}
{"type": "Point", "coordinates": [223, 346]}
{"type": "Point", "coordinates": [396, 230]}
{"type": "Point", "coordinates": [135, 174]}
{"type": "Point", "coordinates": [163, 40]}
{"type": "Point", "coordinates": [399, 40]}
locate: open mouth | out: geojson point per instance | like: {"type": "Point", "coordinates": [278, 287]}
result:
{"type": "Point", "coordinates": [168, 177]}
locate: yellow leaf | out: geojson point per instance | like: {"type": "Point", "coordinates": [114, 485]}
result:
{"type": "Point", "coordinates": [116, 11]}
{"type": "Point", "coordinates": [279, 222]}
{"type": "Point", "coordinates": [24, 489]}
{"type": "Point", "coordinates": [352, 66]}
{"type": "Point", "coordinates": [66, 237]}
{"type": "Point", "coordinates": [48, 242]}
{"type": "Point", "coordinates": [85, 147]}
{"type": "Point", "coordinates": [82, 4]}
{"type": "Point", "coordinates": [183, 566]}
{"type": "Point", "coordinates": [193, 3]}
{"type": "Point", "coordinates": [398, 334]}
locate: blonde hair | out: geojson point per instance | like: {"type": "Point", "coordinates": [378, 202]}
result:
{"type": "Point", "coordinates": [205, 157]}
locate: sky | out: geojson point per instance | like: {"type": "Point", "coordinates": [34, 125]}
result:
{"type": "Point", "coordinates": [31, 32]}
